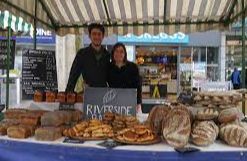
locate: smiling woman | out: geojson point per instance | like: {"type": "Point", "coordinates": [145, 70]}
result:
{"type": "Point", "coordinates": [124, 74]}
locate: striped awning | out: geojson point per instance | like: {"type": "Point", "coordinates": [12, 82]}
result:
{"type": "Point", "coordinates": [17, 24]}
{"type": "Point", "coordinates": [129, 16]}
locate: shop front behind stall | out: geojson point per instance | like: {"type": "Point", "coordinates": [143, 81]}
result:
{"type": "Point", "coordinates": [150, 17]}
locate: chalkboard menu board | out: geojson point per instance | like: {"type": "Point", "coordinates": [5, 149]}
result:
{"type": "Point", "coordinates": [3, 54]}
{"type": "Point", "coordinates": [38, 72]}
{"type": "Point", "coordinates": [97, 101]}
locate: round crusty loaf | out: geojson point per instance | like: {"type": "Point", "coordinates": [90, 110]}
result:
{"type": "Point", "coordinates": [207, 114]}
{"type": "Point", "coordinates": [156, 116]}
{"type": "Point", "coordinates": [177, 127]}
{"type": "Point", "coordinates": [234, 135]}
{"type": "Point", "coordinates": [228, 115]}
{"type": "Point", "coordinates": [204, 133]}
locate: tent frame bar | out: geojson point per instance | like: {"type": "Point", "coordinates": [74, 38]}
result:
{"type": "Point", "coordinates": [48, 14]}
{"type": "Point", "coordinates": [231, 11]}
{"type": "Point", "coordinates": [243, 57]}
{"type": "Point", "coordinates": [107, 13]}
{"type": "Point", "coordinates": [146, 24]}
{"type": "Point", "coordinates": [238, 14]}
{"type": "Point", "coordinates": [35, 26]}
{"type": "Point", "coordinates": [7, 72]}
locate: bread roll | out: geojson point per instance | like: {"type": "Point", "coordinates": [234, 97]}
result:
{"type": "Point", "coordinates": [177, 127]}
{"type": "Point", "coordinates": [204, 133]}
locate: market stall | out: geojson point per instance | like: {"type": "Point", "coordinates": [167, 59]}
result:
{"type": "Point", "coordinates": [122, 17]}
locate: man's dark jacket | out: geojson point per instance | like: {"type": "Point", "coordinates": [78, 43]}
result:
{"type": "Point", "coordinates": [94, 71]}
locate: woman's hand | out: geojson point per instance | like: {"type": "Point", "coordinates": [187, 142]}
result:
{"type": "Point", "coordinates": [138, 108]}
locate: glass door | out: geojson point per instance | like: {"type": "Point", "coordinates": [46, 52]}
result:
{"type": "Point", "coordinates": [185, 70]}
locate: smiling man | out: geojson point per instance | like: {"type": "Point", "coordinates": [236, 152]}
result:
{"type": "Point", "coordinates": [91, 62]}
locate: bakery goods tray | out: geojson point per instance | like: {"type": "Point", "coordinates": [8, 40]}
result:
{"type": "Point", "coordinates": [154, 141]}
{"type": "Point", "coordinates": [89, 138]}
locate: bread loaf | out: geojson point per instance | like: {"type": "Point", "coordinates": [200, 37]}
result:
{"type": "Point", "coordinates": [19, 132]}
{"type": "Point", "coordinates": [50, 96]}
{"type": "Point", "coordinates": [207, 114]}
{"type": "Point", "coordinates": [177, 127]}
{"type": "Point", "coordinates": [61, 97]}
{"type": "Point", "coordinates": [71, 97]}
{"type": "Point", "coordinates": [228, 115]}
{"type": "Point", "coordinates": [79, 97]}
{"type": "Point", "coordinates": [234, 135]}
{"type": "Point", "coordinates": [204, 133]}
{"type": "Point", "coordinates": [48, 133]}
{"type": "Point", "coordinates": [76, 116]}
{"type": "Point", "coordinates": [56, 118]}
{"type": "Point", "coordinates": [156, 116]}
{"type": "Point", "coordinates": [14, 113]}
{"type": "Point", "coordinates": [38, 96]}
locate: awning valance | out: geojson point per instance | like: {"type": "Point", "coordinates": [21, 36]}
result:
{"type": "Point", "coordinates": [17, 24]}
{"type": "Point", "coordinates": [129, 16]}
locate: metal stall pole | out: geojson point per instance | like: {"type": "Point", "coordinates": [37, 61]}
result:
{"type": "Point", "coordinates": [243, 57]}
{"type": "Point", "coordinates": [35, 27]}
{"type": "Point", "coordinates": [7, 79]}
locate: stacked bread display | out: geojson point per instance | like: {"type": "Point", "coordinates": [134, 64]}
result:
{"type": "Point", "coordinates": [53, 123]}
{"type": "Point", "coordinates": [222, 100]}
{"type": "Point", "coordinates": [89, 129]}
{"type": "Point", "coordinates": [119, 122]}
{"type": "Point", "coordinates": [20, 123]}
{"type": "Point", "coordinates": [136, 134]}
{"type": "Point", "coordinates": [62, 97]}
{"type": "Point", "coordinates": [220, 107]}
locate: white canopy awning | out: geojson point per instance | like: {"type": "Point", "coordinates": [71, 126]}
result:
{"type": "Point", "coordinates": [129, 16]}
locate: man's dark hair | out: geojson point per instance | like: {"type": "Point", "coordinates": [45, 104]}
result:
{"type": "Point", "coordinates": [96, 26]}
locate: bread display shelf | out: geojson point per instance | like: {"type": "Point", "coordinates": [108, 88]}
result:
{"type": "Point", "coordinates": [154, 141]}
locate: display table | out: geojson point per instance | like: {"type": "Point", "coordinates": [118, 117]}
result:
{"type": "Point", "coordinates": [32, 150]}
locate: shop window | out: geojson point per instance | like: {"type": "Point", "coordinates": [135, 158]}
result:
{"type": "Point", "coordinates": [212, 55]}
{"type": "Point", "coordinates": [213, 73]}
{"type": "Point", "coordinates": [199, 54]}
{"type": "Point", "coordinates": [158, 68]}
